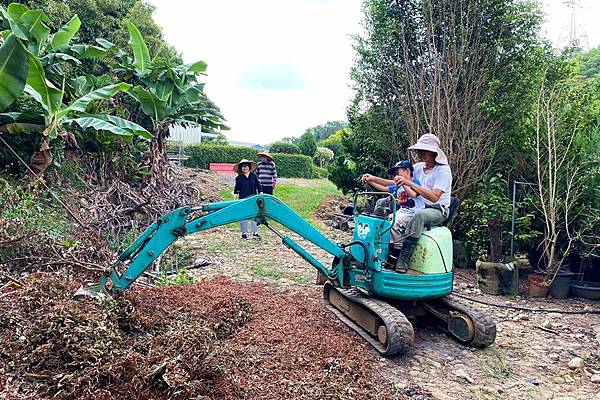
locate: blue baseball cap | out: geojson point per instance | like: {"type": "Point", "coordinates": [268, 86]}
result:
{"type": "Point", "coordinates": [401, 164]}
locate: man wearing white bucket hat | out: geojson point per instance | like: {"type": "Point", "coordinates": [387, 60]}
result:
{"type": "Point", "coordinates": [432, 181]}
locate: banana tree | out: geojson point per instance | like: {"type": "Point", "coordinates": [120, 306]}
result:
{"type": "Point", "coordinates": [22, 69]}
{"type": "Point", "coordinates": [13, 70]}
{"type": "Point", "coordinates": [167, 93]}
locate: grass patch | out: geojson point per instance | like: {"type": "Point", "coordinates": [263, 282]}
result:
{"type": "Point", "coordinates": [498, 367]}
{"type": "Point", "coordinates": [301, 279]}
{"type": "Point", "coordinates": [302, 197]}
{"type": "Point", "coordinates": [32, 209]}
{"type": "Point", "coordinates": [265, 272]}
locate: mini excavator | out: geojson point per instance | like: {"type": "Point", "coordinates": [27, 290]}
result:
{"type": "Point", "coordinates": [360, 287]}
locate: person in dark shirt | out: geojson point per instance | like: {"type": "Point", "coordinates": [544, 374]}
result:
{"type": "Point", "coordinates": [246, 185]}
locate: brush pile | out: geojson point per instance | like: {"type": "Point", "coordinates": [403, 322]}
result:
{"type": "Point", "coordinates": [214, 340]}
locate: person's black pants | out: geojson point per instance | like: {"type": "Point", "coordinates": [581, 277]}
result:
{"type": "Point", "coordinates": [267, 189]}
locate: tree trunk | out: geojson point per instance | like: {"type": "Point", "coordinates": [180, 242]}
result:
{"type": "Point", "coordinates": [160, 169]}
{"type": "Point", "coordinates": [41, 159]}
{"type": "Point", "coordinates": [495, 229]}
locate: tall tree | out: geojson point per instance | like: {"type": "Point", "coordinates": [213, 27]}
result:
{"type": "Point", "coordinates": [308, 144]}
{"type": "Point", "coordinates": [327, 129]}
{"type": "Point", "coordinates": [447, 67]}
{"type": "Point", "coordinates": [105, 19]}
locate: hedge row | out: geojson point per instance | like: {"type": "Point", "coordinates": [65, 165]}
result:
{"type": "Point", "coordinates": [288, 165]}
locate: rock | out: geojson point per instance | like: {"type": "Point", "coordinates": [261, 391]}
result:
{"type": "Point", "coordinates": [559, 380]}
{"type": "Point", "coordinates": [575, 363]}
{"type": "Point", "coordinates": [510, 385]}
{"type": "Point", "coordinates": [568, 379]}
{"type": "Point", "coordinates": [595, 378]}
{"type": "Point", "coordinates": [547, 324]}
{"type": "Point", "coordinates": [523, 317]}
{"type": "Point", "coordinates": [420, 359]}
{"type": "Point", "coordinates": [200, 261]}
{"type": "Point", "coordinates": [554, 357]}
{"type": "Point", "coordinates": [460, 373]}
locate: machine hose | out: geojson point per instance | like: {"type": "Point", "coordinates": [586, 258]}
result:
{"type": "Point", "coordinates": [531, 309]}
{"type": "Point", "coordinates": [364, 246]}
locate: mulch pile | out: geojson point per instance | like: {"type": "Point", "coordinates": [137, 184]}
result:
{"type": "Point", "coordinates": [331, 211]}
{"type": "Point", "coordinates": [214, 340]}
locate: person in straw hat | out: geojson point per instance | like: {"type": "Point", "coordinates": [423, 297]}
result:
{"type": "Point", "coordinates": [267, 172]}
{"type": "Point", "coordinates": [434, 187]}
{"type": "Point", "coordinates": [246, 185]}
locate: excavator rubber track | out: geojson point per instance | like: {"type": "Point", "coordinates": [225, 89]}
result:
{"type": "Point", "coordinates": [385, 327]}
{"type": "Point", "coordinates": [466, 324]}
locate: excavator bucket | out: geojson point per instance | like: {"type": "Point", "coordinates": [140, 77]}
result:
{"type": "Point", "coordinates": [90, 290]}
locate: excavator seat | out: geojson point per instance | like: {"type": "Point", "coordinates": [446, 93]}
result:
{"type": "Point", "coordinates": [454, 203]}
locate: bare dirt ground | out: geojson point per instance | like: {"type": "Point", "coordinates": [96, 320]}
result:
{"type": "Point", "coordinates": [537, 355]}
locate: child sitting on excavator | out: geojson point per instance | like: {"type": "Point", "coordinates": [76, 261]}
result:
{"type": "Point", "coordinates": [407, 200]}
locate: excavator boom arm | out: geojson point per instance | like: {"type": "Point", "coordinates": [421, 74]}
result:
{"type": "Point", "coordinates": [161, 234]}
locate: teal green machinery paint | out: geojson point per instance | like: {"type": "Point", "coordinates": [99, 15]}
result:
{"type": "Point", "coordinates": [360, 288]}
{"type": "Point", "coordinates": [358, 264]}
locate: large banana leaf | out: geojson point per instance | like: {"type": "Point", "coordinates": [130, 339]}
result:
{"type": "Point", "coordinates": [194, 68]}
{"type": "Point", "coordinates": [16, 10]}
{"type": "Point", "coordinates": [101, 125]}
{"type": "Point", "coordinates": [19, 127]}
{"type": "Point", "coordinates": [33, 22]}
{"type": "Point", "coordinates": [65, 33]}
{"type": "Point", "coordinates": [103, 93]}
{"type": "Point", "coordinates": [19, 116]}
{"type": "Point", "coordinates": [40, 89]}
{"type": "Point", "coordinates": [121, 123]}
{"type": "Point", "coordinates": [84, 51]}
{"type": "Point", "coordinates": [14, 26]}
{"type": "Point", "coordinates": [13, 70]}
{"type": "Point", "coordinates": [141, 55]}
{"type": "Point", "coordinates": [151, 105]}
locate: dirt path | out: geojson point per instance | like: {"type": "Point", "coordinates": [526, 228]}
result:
{"type": "Point", "coordinates": [529, 360]}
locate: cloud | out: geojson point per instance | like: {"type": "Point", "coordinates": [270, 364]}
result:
{"type": "Point", "coordinates": [276, 76]}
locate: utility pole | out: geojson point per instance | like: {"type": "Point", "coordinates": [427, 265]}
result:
{"type": "Point", "coordinates": [575, 33]}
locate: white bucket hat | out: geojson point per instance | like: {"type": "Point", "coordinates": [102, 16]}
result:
{"type": "Point", "coordinates": [430, 142]}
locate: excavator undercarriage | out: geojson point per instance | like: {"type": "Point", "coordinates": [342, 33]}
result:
{"type": "Point", "coordinates": [385, 325]}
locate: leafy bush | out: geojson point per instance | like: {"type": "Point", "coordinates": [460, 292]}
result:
{"type": "Point", "coordinates": [288, 165]}
{"type": "Point", "coordinates": [341, 173]}
{"type": "Point", "coordinates": [492, 202]}
{"type": "Point", "coordinates": [319, 172]}
{"type": "Point", "coordinates": [32, 208]}
{"type": "Point", "coordinates": [323, 156]}
{"type": "Point", "coordinates": [285, 148]}
{"type": "Point", "coordinates": [308, 144]}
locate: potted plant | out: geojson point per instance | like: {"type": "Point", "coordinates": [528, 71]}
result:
{"type": "Point", "coordinates": [496, 273]}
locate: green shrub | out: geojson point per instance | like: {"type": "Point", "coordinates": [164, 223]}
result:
{"type": "Point", "coordinates": [288, 165]}
{"type": "Point", "coordinates": [319, 172]}
{"type": "Point", "coordinates": [345, 177]}
{"type": "Point", "coordinates": [284, 148]}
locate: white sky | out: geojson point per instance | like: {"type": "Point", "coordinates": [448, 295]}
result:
{"type": "Point", "coordinates": [278, 67]}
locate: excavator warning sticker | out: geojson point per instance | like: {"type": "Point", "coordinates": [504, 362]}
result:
{"type": "Point", "coordinates": [363, 230]}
